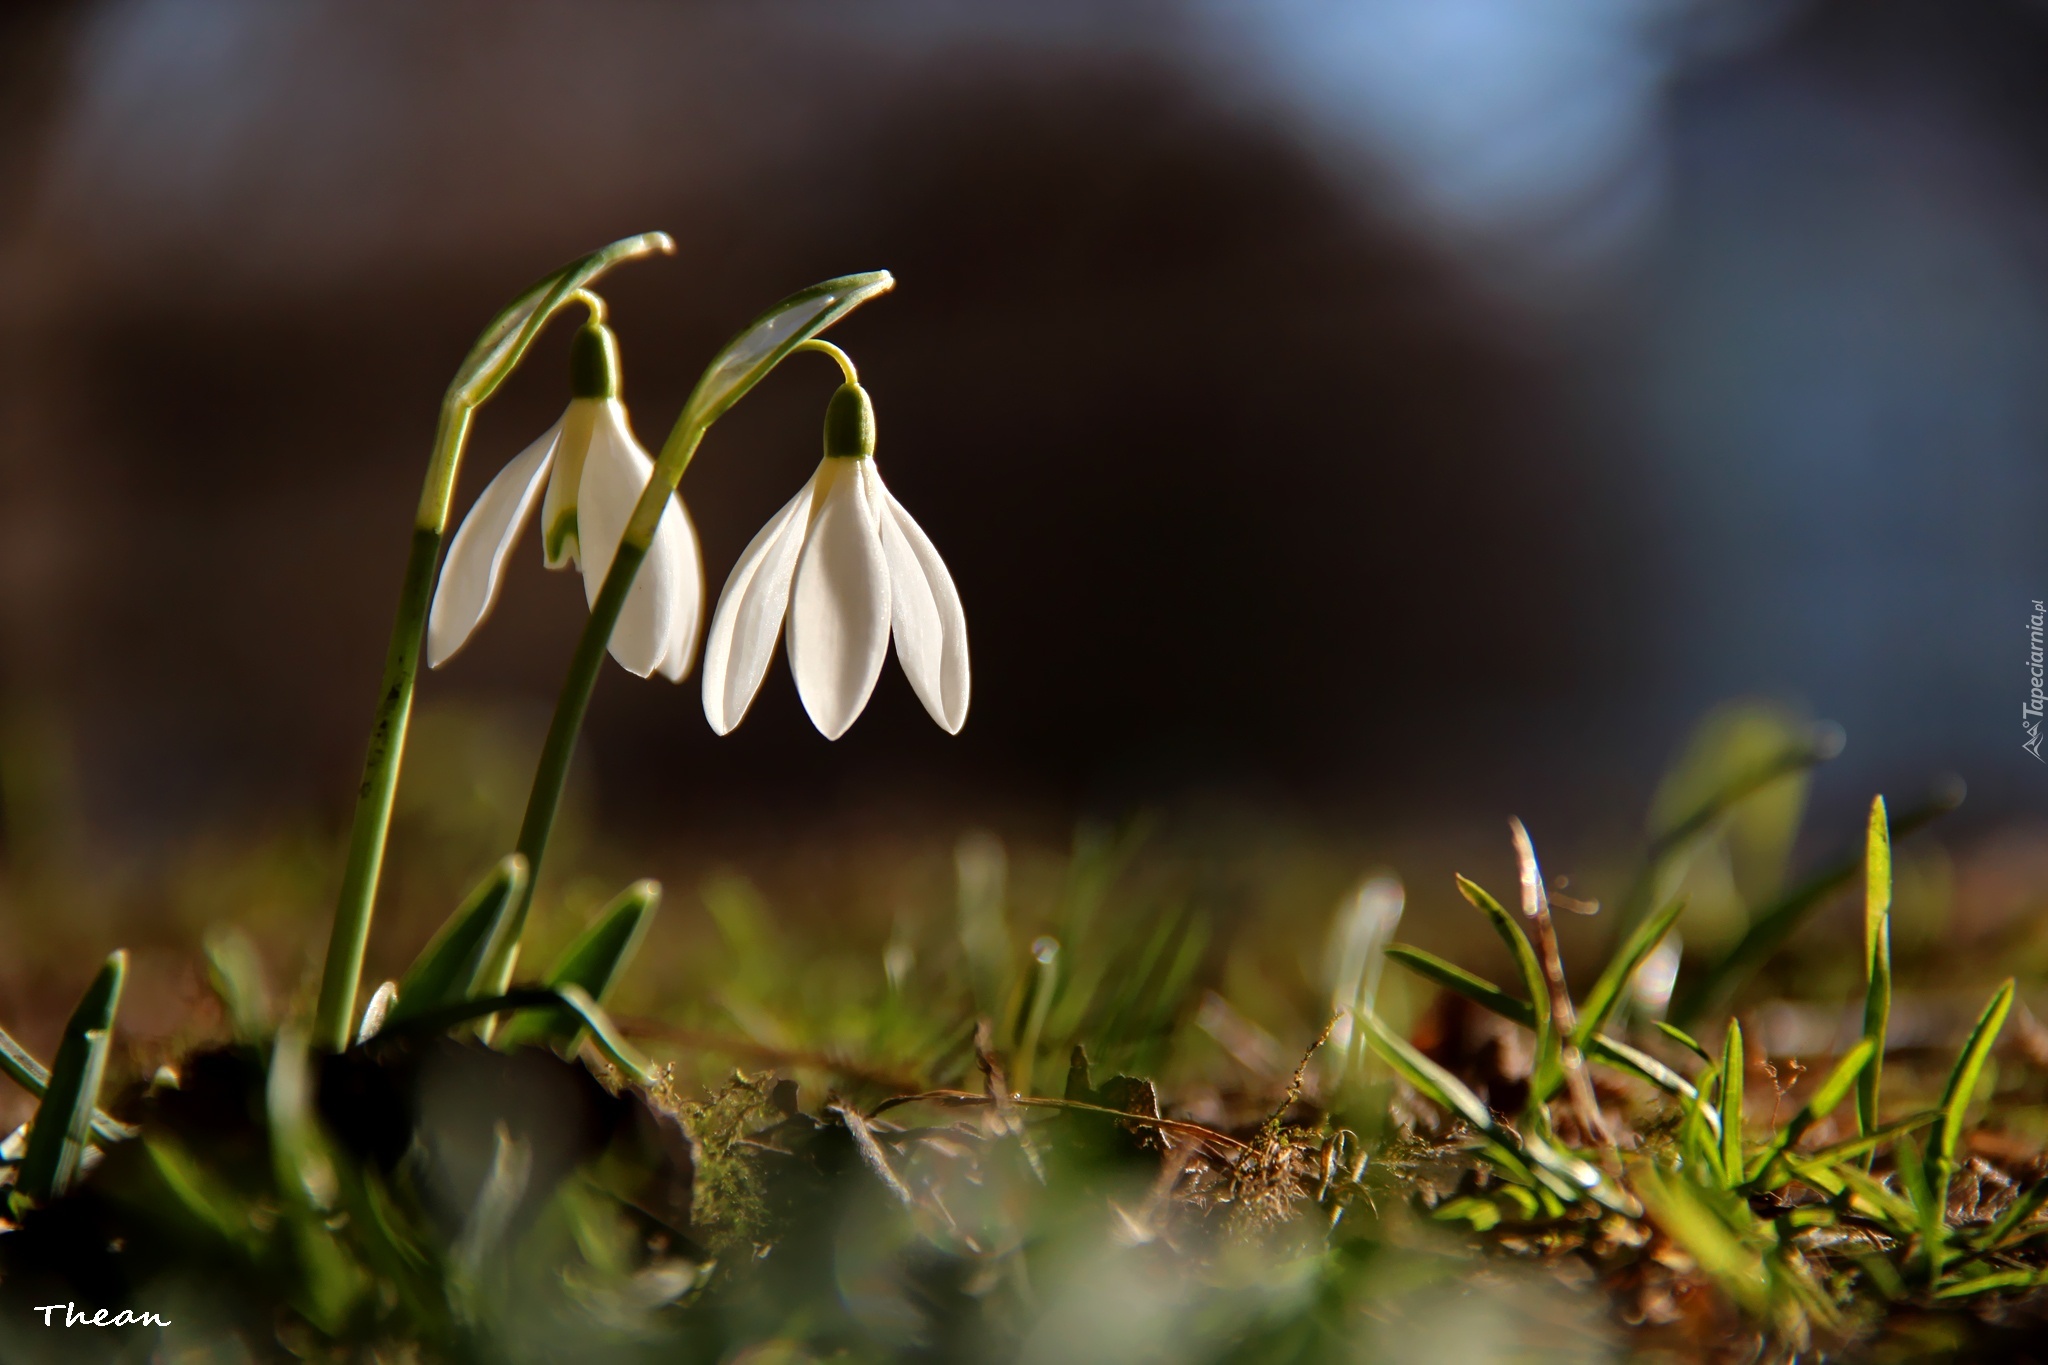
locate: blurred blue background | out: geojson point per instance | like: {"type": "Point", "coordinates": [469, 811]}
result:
{"type": "Point", "coordinates": [1403, 411]}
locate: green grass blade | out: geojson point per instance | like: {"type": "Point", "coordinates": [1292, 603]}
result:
{"type": "Point", "coordinates": [594, 961]}
{"type": "Point", "coordinates": [1850, 1148]}
{"type": "Point", "coordinates": [1443, 1089]}
{"type": "Point", "coordinates": [1452, 977]}
{"type": "Point", "coordinates": [449, 969]}
{"type": "Point", "coordinates": [1831, 1093]}
{"type": "Point", "coordinates": [1955, 1101]}
{"type": "Point", "coordinates": [63, 1122]}
{"type": "Point", "coordinates": [1615, 1053]}
{"type": "Point", "coordinates": [1877, 959]}
{"type": "Point", "coordinates": [1692, 1223]}
{"type": "Point", "coordinates": [31, 1075]}
{"type": "Point", "coordinates": [1485, 994]}
{"type": "Point", "coordinates": [1898, 1214]}
{"type": "Point", "coordinates": [1777, 922]}
{"type": "Point", "coordinates": [234, 968]}
{"type": "Point", "coordinates": [1524, 954]}
{"type": "Point", "coordinates": [1963, 1077]}
{"type": "Point", "coordinates": [1684, 1040]}
{"type": "Point", "coordinates": [1734, 1065]}
{"type": "Point", "coordinates": [1608, 990]}
{"type": "Point", "coordinates": [1984, 1284]}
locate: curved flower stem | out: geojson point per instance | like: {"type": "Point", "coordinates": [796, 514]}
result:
{"type": "Point", "coordinates": [735, 370]}
{"type": "Point", "coordinates": [490, 361]}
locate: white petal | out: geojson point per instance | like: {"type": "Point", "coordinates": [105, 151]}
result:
{"type": "Point", "coordinates": [748, 622]}
{"type": "Point", "coordinates": [675, 539]}
{"type": "Point", "coordinates": [615, 472]}
{"type": "Point", "coordinates": [476, 558]}
{"type": "Point", "coordinates": [838, 634]}
{"type": "Point", "coordinates": [930, 627]}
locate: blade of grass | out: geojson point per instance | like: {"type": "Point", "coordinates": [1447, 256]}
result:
{"type": "Point", "coordinates": [1608, 990]}
{"type": "Point", "coordinates": [595, 960]}
{"type": "Point", "coordinates": [1877, 959]}
{"type": "Point", "coordinates": [450, 968]}
{"type": "Point", "coordinates": [1684, 1040]}
{"type": "Point", "coordinates": [1722, 1255]}
{"type": "Point", "coordinates": [1734, 1065]}
{"type": "Point", "coordinates": [31, 1075]}
{"type": "Point", "coordinates": [1527, 1158]}
{"type": "Point", "coordinates": [1485, 994]}
{"type": "Point", "coordinates": [1955, 1102]}
{"type": "Point", "coordinates": [63, 1121]}
{"type": "Point", "coordinates": [1777, 922]}
{"type": "Point", "coordinates": [1831, 1093]}
{"type": "Point", "coordinates": [1531, 971]}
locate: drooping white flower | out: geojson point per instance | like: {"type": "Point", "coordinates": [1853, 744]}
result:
{"type": "Point", "coordinates": [838, 571]}
{"type": "Point", "coordinates": [592, 470]}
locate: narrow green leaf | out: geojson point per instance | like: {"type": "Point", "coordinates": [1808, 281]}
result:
{"type": "Point", "coordinates": [449, 969]}
{"type": "Point", "coordinates": [1734, 1066]}
{"type": "Point", "coordinates": [1684, 1040]}
{"type": "Point", "coordinates": [1955, 1102]}
{"type": "Point", "coordinates": [63, 1121]}
{"type": "Point", "coordinates": [1850, 1148]}
{"type": "Point", "coordinates": [1877, 959]}
{"type": "Point", "coordinates": [1607, 991]}
{"type": "Point", "coordinates": [329, 1281]}
{"type": "Point", "coordinates": [201, 1193]}
{"type": "Point", "coordinates": [1531, 970]}
{"type": "Point", "coordinates": [1963, 1076]}
{"type": "Point", "coordinates": [1443, 1089]}
{"type": "Point", "coordinates": [594, 961]}
{"type": "Point", "coordinates": [1455, 978]}
{"type": "Point", "coordinates": [234, 968]}
{"type": "Point", "coordinates": [31, 1075]}
{"type": "Point", "coordinates": [1706, 1237]}
{"type": "Point", "coordinates": [1898, 1213]}
{"type": "Point", "coordinates": [763, 343]}
{"type": "Point", "coordinates": [1484, 993]}
{"type": "Point", "coordinates": [1985, 1284]}
{"type": "Point", "coordinates": [1831, 1092]}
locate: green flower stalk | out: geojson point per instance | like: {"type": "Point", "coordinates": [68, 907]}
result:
{"type": "Point", "coordinates": [496, 354]}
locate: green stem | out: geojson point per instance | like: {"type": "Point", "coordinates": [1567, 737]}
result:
{"type": "Point", "coordinates": [350, 936]}
{"type": "Point", "coordinates": [572, 704]}
{"type": "Point", "coordinates": [490, 361]}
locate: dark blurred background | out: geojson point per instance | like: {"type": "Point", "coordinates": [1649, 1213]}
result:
{"type": "Point", "coordinates": [1378, 416]}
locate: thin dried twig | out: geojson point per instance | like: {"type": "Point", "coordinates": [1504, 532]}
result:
{"type": "Point", "coordinates": [1563, 1018]}
{"type": "Point", "coordinates": [871, 1151]}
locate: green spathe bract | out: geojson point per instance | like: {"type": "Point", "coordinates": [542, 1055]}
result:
{"type": "Point", "coordinates": [594, 961]}
{"type": "Point", "coordinates": [450, 968]}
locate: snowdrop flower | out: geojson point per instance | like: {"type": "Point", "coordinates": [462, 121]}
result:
{"type": "Point", "coordinates": [593, 470]}
{"type": "Point", "coordinates": [839, 570]}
